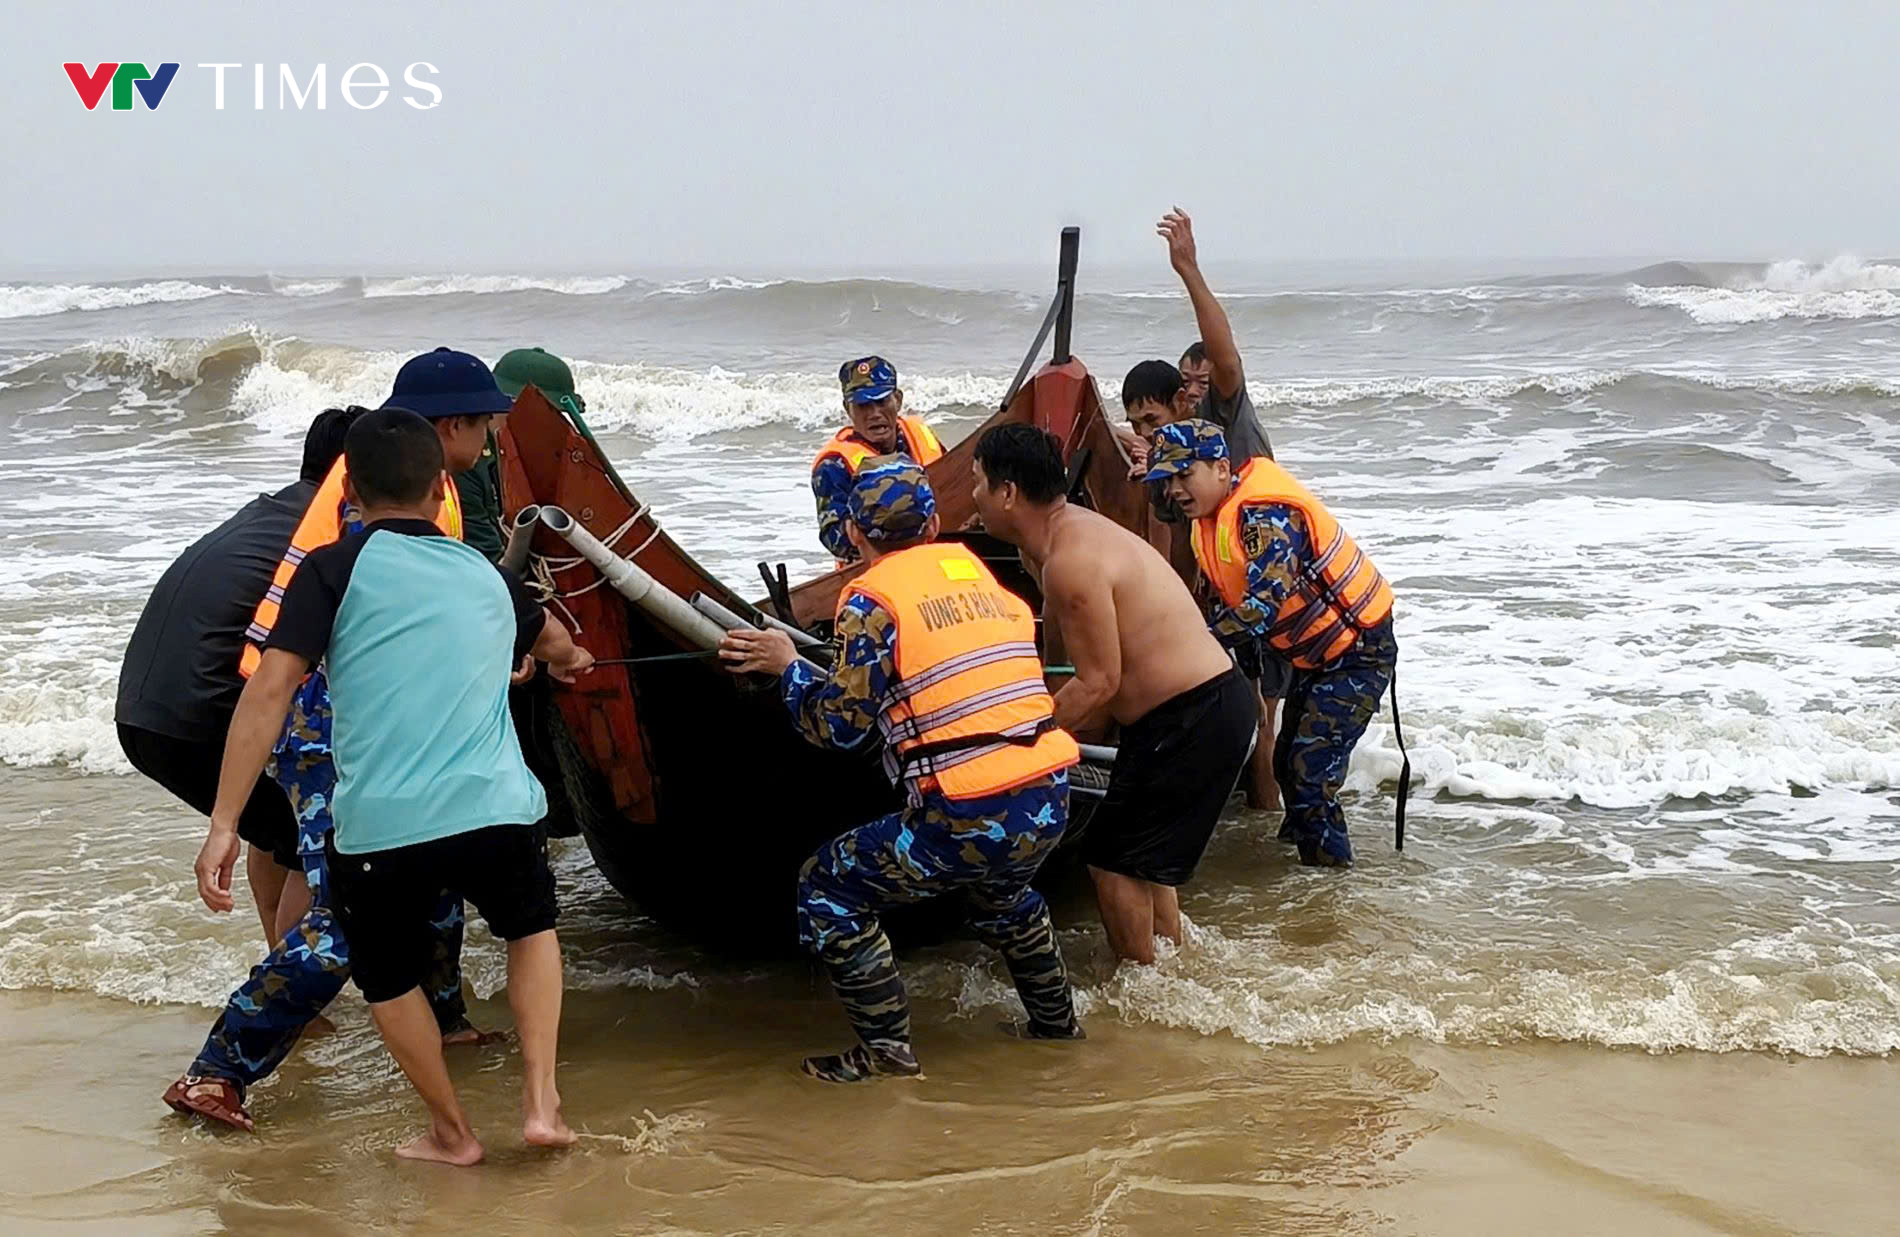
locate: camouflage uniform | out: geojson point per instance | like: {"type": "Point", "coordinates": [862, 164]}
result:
{"type": "Point", "coordinates": [831, 486]}
{"type": "Point", "coordinates": [303, 974]}
{"type": "Point", "coordinates": [1326, 709]}
{"type": "Point", "coordinates": [989, 848]}
{"type": "Point", "coordinates": [832, 480]}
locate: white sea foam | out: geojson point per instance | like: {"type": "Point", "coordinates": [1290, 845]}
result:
{"type": "Point", "coordinates": [1781, 994]}
{"type": "Point", "coordinates": [475, 285]}
{"type": "Point", "coordinates": [666, 403]}
{"type": "Point", "coordinates": [717, 283]}
{"type": "Point", "coordinates": [42, 300]}
{"type": "Point", "coordinates": [306, 287]}
{"type": "Point", "coordinates": [1498, 388]}
{"type": "Point", "coordinates": [1845, 287]}
{"type": "Point", "coordinates": [282, 380]}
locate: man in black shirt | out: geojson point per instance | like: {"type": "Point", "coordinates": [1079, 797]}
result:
{"type": "Point", "coordinates": [179, 682]}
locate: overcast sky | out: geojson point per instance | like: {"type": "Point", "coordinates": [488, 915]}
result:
{"type": "Point", "coordinates": [617, 137]}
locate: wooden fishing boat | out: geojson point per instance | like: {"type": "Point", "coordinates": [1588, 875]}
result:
{"type": "Point", "coordinates": [696, 796]}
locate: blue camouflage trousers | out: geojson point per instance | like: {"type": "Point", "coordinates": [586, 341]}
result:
{"type": "Point", "coordinates": [988, 849]}
{"type": "Point", "coordinates": [1327, 710]}
{"type": "Point", "coordinates": [308, 968]}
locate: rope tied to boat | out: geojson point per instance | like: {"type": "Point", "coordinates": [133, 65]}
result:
{"type": "Point", "coordinates": [545, 567]}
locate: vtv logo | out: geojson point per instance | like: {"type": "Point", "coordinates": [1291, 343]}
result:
{"type": "Point", "coordinates": [91, 85]}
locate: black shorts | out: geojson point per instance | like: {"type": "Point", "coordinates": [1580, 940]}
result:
{"type": "Point", "coordinates": [1276, 675]}
{"type": "Point", "coordinates": [189, 770]}
{"type": "Point", "coordinates": [1173, 774]}
{"type": "Point", "coordinates": [385, 899]}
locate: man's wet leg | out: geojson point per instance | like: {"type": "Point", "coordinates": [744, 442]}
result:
{"type": "Point", "coordinates": [1128, 913]}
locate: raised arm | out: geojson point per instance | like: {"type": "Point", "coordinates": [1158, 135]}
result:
{"type": "Point", "coordinates": [1083, 604]}
{"type": "Point", "coordinates": [1217, 334]}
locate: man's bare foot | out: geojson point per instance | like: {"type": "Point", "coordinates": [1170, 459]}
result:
{"type": "Point", "coordinates": [319, 1026]}
{"type": "Point", "coordinates": [429, 1145]}
{"type": "Point", "coordinates": [547, 1131]}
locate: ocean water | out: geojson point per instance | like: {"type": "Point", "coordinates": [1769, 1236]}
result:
{"type": "Point", "coordinates": [1642, 523]}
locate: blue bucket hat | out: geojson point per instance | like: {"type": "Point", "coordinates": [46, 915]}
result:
{"type": "Point", "coordinates": [867, 380]}
{"type": "Point", "coordinates": [1177, 446]}
{"type": "Point", "coordinates": [891, 499]}
{"type": "Point", "coordinates": [446, 383]}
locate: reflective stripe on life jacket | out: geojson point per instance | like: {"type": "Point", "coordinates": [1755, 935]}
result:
{"type": "Point", "coordinates": [1340, 593]}
{"type": "Point", "coordinates": [919, 443]}
{"type": "Point", "coordinates": [324, 520]}
{"type": "Point", "coordinates": [969, 714]}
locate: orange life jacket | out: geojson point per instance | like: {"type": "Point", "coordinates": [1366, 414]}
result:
{"type": "Point", "coordinates": [323, 522]}
{"type": "Point", "coordinates": [1340, 593]}
{"type": "Point", "coordinates": [969, 714]}
{"type": "Point", "coordinates": [919, 442]}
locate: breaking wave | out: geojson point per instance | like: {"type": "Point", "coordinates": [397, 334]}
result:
{"type": "Point", "coordinates": [1845, 287]}
{"type": "Point", "coordinates": [485, 285]}
{"type": "Point", "coordinates": [1777, 995]}
{"type": "Point", "coordinates": [44, 300]}
{"type": "Point", "coordinates": [278, 383]}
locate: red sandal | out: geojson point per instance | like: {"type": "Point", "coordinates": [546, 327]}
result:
{"type": "Point", "coordinates": [208, 1096]}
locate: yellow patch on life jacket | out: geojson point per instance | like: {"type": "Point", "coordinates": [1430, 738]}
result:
{"type": "Point", "coordinates": [959, 569]}
{"type": "Point", "coordinates": [1253, 539]}
{"type": "Point", "coordinates": [1224, 544]}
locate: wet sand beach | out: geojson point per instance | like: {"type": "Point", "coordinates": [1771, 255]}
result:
{"type": "Point", "coordinates": [699, 1123]}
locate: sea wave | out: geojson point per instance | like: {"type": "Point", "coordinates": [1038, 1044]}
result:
{"type": "Point", "coordinates": [1752, 996]}
{"type": "Point", "coordinates": [665, 403]}
{"type": "Point", "coordinates": [277, 383]}
{"type": "Point", "coordinates": [307, 287]}
{"type": "Point", "coordinates": [1845, 287]}
{"type": "Point", "coordinates": [1323, 393]}
{"type": "Point", "coordinates": [485, 285]}
{"type": "Point", "coordinates": [44, 300]}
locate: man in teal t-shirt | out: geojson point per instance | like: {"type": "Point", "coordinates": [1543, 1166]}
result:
{"type": "Point", "coordinates": [419, 634]}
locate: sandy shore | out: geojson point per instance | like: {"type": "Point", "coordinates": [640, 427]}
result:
{"type": "Point", "coordinates": [702, 1126]}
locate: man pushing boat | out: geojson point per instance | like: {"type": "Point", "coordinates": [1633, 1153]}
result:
{"type": "Point", "coordinates": [879, 426]}
{"type": "Point", "coordinates": [1290, 575]}
{"type": "Point", "coordinates": [934, 653]}
{"type": "Point", "coordinates": [310, 964]}
{"type": "Point", "coordinates": [418, 635]}
{"type": "Point", "coordinates": [1143, 657]}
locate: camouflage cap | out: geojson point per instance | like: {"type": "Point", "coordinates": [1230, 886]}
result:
{"type": "Point", "coordinates": [891, 499]}
{"type": "Point", "coordinates": [1178, 445]}
{"type": "Point", "coordinates": [867, 379]}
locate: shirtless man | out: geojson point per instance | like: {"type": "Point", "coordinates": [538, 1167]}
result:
{"type": "Point", "coordinates": [1144, 659]}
